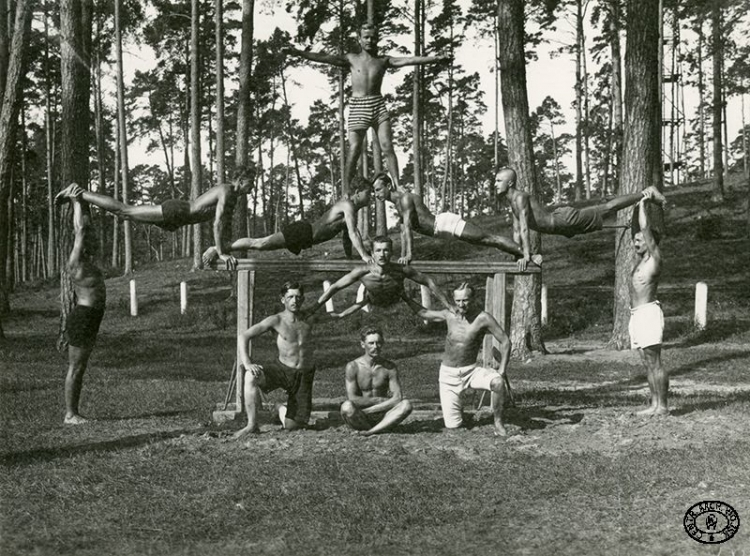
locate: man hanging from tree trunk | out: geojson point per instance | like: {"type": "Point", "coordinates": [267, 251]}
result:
{"type": "Point", "coordinates": [564, 221]}
{"type": "Point", "coordinates": [216, 204]}
{"type": "Point", "coordinates": [84, 320]}
{"type": "Point", "coordinates": [367, 106]}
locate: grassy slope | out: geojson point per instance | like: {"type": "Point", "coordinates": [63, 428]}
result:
{"type": "Point", "coordinates": [578, 476]}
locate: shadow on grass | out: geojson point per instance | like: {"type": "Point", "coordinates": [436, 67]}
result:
{"type": "Point", "coordinates": [723, 401]}
{"type": "Point", "coordinates": [49, 454]}
{"type": "Point", "coordinates": [716, 332]}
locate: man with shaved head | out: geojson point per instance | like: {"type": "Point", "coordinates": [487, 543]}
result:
{"type": "Point", "coordinates": [565, 221]}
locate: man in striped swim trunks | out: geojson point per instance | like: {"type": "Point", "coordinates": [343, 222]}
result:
{"type": "Point", "coordinates": [367, 106]}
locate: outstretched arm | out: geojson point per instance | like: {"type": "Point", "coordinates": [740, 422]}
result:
{"type": "Point", "coordinates": [407, 235]}
{"type": "Point", "coordinates": [353, 308]}
{"type": "Point", "coordinates": [340, 284]}
{"type": "Point", "coordinates": [401, 61]}
{"type": "Point", "coordinates": [648, 236]}
{"type": "Point", "coordinates": [425, 280]}
{"type": "Point", "coordinates": [354, 235]}
{"type": "Point", "coordinates": [79, 229]}
{"type": "Point", "coordinates": [321, 57]}
{"type": "Point", "coordinates": [521, 210]}
{"type": "Point", "coordinates": [219, 223]}
{"type": "Point", "coordinates": [426, 314]}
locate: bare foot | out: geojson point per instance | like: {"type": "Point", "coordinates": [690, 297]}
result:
{"type": "Point", "coordinates": [500, 429]}
{"type": "Point", "coordinates": [364, 433]}
{"type": "Point", "coordinates": [75, 420]}
{"type": "Point", "coordinates": [648, 412]}
{"type": "Point", "coordinates": [536, 259]}
{"type": "Point", "coordinates": [210, 255]}
{"type": "Point", "coordinates": [661, 411]}
{"type": "Point", "coordinates": [245, 432]}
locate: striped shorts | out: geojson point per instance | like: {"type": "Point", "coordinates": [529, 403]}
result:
{"type": "Point", "coordinates": [367, 112]}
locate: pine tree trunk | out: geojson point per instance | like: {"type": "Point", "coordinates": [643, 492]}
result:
{"type": "Point", "coordinates": [100, 150]}
{"type": "Point", "coordinates": [416, 112]}
{"type": "Point", "coordinates": [116, 194]}
{"type": "Point", "coordinates": [701, 102]}
{"type": "Point", "coordinates": [526, 325]}
{"type": "Point", "coordinates": [717, 47]}
{"type": "Point", "coordinates": [220, 171]}
{"type": "Point", "coordinates": [617, 117]}
{"type": "Point", "coordinates": [642, 135]}
{"type": "Point", "coordinates": [124, 166]}
{"type": "Point", "coordinates": [195, 126]}
{"type": "Point", "coordinates": [49, 137]}
{"type": "Point", "coordinates": [242, 157]}
{"type": "Point", "coordinates": [75, 57]}
{"type": "Point", "coordinates": [579, 103]}
{"type": "Point", "coordinates": [24, 235]}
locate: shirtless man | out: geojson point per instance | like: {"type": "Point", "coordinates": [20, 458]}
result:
{"type": "Point", "coordinates": [416, 216]}
{"type": "Point", "coordinates": [302, 235]}
{"type": "Point", "coordinates": [383, 280]}
{"type": "Point", "coordinates": [369, 380]}
{"type": "Point", "coordinates": [646, 318]}
{"type": "Point", "coordinates": [294, 369]}
{"type": "Point", "coordinates": [217, 203]}
{"type": "Point", "coordinates": [467, 327]}
{"type": "Point", "coordinates": [83, 322]}
{"type": "Point", "coordinates": [366, 106]}
{"type": "Point", "coordinates": [564, 221]}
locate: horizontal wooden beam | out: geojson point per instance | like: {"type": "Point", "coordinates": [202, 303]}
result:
{"type": "Point", "coordinates": [342, 265]}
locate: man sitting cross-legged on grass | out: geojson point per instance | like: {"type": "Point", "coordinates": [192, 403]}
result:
{"type": "Point", "coordinates": [646, 317]}
{"type": "Point", "coordinates": [302, 235]}
{"type": "Point", "coordinates": [369, 379]}
{"type": "Point", "coordinates": [83, 322]}
{"type": "Point", "coordinates": [416, 216]}
{"type": "Point", "coordinates": [294, 369]}
{"type": "Point", "coordinates": [467, 327]}
{"type": "Point", "coordinates": [564, 221]}
{"type": "Point", "coordinates": [216, 204]}
{"type": "Point", "coordinates": [383, 280]}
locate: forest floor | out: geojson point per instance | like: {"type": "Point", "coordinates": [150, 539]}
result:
{"type": "Point", "coordinates": [579, 473]}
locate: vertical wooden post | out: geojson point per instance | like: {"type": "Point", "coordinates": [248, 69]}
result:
{"type": "Point", "coordinates": [133, 300]}
{"type": "Point", "coordinates": [245, 302]}
{"type": "Point", "coordinates": [701, 303]}
{"type": "Point", "coordinates": [544, 305]}
{"type": "Point", "coordinates": [488, 303]}
{"type": "Point", "coordinates": [361, 296]}
{"type": "Point", "coordinates": [498, 302]}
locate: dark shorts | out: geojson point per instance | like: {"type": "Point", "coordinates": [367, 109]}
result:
{"type": "Point", "coordinates": [365, 421]}
{"type": "Point", "coordinates": [176, 213]}
{"type": "Point", "coordinates": [569, 221]}
{"type": "Point", "coordinates": [83, 326]}
{"type": "Point", "coordinates": [298, 386]}
{"type": "Point", "coordinates": [298, 236]}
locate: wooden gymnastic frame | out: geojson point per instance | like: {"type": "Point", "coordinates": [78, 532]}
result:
{"type": "Point", "coordinates": [495, 300]}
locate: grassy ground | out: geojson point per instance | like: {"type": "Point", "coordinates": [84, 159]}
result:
{"type": "Point", "coordinates": [580, 474]}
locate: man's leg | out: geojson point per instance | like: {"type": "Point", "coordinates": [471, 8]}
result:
{"type": "Point", "coordinates": [393, 417]}
{"type": "Point", "coordinates": [660, 378]}
{"type": "Point", "coordinates": [498, 396]}
{"type": "Point", "coordinates": [624, 201]}
{"type": "Point", "coordinates": [354, 417]}
{"type": "Point", "coordinates": [450, 404]}
{"type": "Point", "coordinates": [269, 243]}
{"type": "Point", "coordinates": [149, 214]}
{"type": "Point", "coordinates": [477, 236]}
{"type": "Point", "coordinates": [252, 403]}
{"type": "Point", "coordinates": [356, 138]}
{"type": "Point", "coordinates": [78, 359]}
{"type": "Point", "coordinates": [651, 387]}
{"type": "Point", "coordinates": [385, 137]}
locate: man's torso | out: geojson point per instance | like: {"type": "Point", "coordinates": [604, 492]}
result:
{"type": "Point", "coordinates": [463, 340]}
{"type": "Point", "coordinates": [367, 73]}
{"type": "Point", "coordinates": [422, 220]}
{"type": "Point", "coordinates": [643, 282]}
{"type": "Point", "coordinates": [373, 379]}
{"type": "Point", "coordinates": [386, 288]}
{"type": "Point", "coordinates": [88, 283]}
{"type": "Point", "coordinates": [330, 223]}
{"type": "Point", "coordinates": [293, 342]}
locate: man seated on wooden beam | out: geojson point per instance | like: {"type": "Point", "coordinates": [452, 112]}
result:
{"type": "Point", "coordinates": [216, 204]}
{"type": "Point", "coordinates": [416, 216]}
{"type": "Point", "coordinates": [383, 280]}
{"type": "Point", "coordinates": [294, 369]}
{"type": "Point", "coordinates": [374, 401]}
{"type": "Point", "coordinates": [302, 234]}
{"type": "Point", "coordinates": [565, 221]}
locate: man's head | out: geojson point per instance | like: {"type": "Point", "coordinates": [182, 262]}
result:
{"type": "Point", "coordinates": [361, 191]}
{"type": "Point", "coordinates": [243, 178]}
{"type": "Point", "coordinates": [505, 178]}
{"type": "Point", "coordinates": [639, 244]}
{"type": "Point", "coordinates": [368, 38]}
{"type": "Point", "coordinates": [371, 339]}
{"type": "Point", "coordinates": [382, 249]}
{"type": "Point", "coordinates": [462, 297]}
{"type": "Point", "coordinates": [382, 186]}
{"type": "Point", "coordinates": [292, 296]}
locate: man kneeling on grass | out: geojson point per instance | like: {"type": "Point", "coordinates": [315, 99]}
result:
{"type": "Point", "coordinates": [369, 380]}
{"type": "Point", "coordinates": [294, 369]}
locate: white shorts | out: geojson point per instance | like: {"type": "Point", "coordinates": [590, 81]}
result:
{"type": "Point", "coordinates": [453, 381]}
{"type": "Point", "coordinates": [448, 225]}
{"type": "Point", "coordinates": [646, 325]}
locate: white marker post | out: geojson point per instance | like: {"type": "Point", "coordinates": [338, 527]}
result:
{"type": "Point", "coordinates": [329, 303]}
{"type": "Point", "coordinates": [361, 296]}
{"type": "Point", "coordinates": [544, 304]}
{"type": "Point", "coordinates": [133, 300]}
{"type": "Point", "coordinates": [701, 303]}
{"type": "Point", "coordinates": [183, 298]}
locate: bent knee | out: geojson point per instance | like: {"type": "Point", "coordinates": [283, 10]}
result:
{"type": "Point", "coordinates": [497, 384]}
{"type": "Point", "coordinates": [406, 406]}
{"type": "Point", "coordinates": [348, 408]}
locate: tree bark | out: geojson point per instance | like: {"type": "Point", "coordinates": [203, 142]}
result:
{"type": "Point", "coordinates": [616, 56]}
{"type": "Point", "coordinates": [526, 325]}
{"type": "Point", "coordinates": [124, 166]}
{"type": "Point", "coordinates": [75, 58]}
{"type": "Point", "coordinates": [220, 171]}
{"type": "Point", "coordinates": [579, 103]}
{"type": "Point", "coordinates": [416, 111]}
{"type": "Point", "coordinates": [241, 155]}
{"type": "Point", "coordinates": [195, 126]}
{"type": "Point", "coordinates": [642, 135]}
{"type": "Point", "coordinates": [717, 104]}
